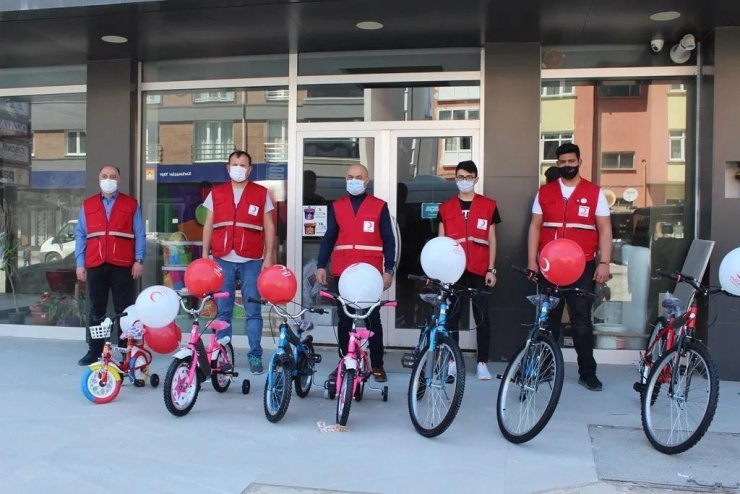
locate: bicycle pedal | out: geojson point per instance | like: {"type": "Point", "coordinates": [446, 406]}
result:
{"type": "Point", "coordinates": [139, 383]}
{"type": "Point", "coordinates": [226, 369]}
{"type": "Point", "coordinates": [316, 357]}
{"type": "Point", "coordinates": [499, 376]}
{"type": "Point", "coordinates": [233, 374]}
{"type": "Point", "coordinates": [408, 360]}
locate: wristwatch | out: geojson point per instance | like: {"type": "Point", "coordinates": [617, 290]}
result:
{"type": "Point", "coordinates": [390, 271]}
{"type": "Point", "coordinates": [140, 261]}
{"type": "Point", "coordinates": [492, 271]}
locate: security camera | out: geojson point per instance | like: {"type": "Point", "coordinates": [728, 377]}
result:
{"type": "Point", "coordinates": [656, 44]}
{"type": "Point", "coordinates": [681, 52]}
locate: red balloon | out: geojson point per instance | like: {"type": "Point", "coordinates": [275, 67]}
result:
{"type": "Point", "coordinates": [203, 276]}
{"type": "Point", "coordinates": [562, 261]}
{"type": "Point", "coordinates": [277, 284]}
{"type": "Point", "coordinates": [163, 340]}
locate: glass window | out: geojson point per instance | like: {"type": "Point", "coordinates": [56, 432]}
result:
{"type": "Point", "coordinates": [557, 88]}
{"type": "Point", "coordinates": [619, 91]}
{"type": "Point", "coordinates": [677, 145]}
{"type": "Point", "coordinates": [43, 76]}
{"type": "Point", "coordinates": [213, 141]}
{"type": "Point", "coordinates": [617, 160]}
{"type": "Point", "coordinates": [216, 68]}
{"type": "Point", "coordinates": [213, 96]}
{"type": "Point", "coordinates": [76, 143]}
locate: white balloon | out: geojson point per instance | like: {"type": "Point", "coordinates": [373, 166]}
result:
{"type": "Point", "coordinates": [729, 272]}
{"type": "Point", "coordinates": [157, 306]}
{"type": "Point", "coordinates": [361, 284]}
{"type": "Point", "coordinates": [443, 259]}
{"type": "Point", "coordinates": [130, 319]}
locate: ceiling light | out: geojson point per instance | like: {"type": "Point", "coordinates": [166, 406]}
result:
{"type": "Point", "coordinates": [369, 25]}
{"type": "Point", "coordinates": [112, 38]}
{"type": "Point", "coordinates": [681, 52]}
{"type": "Point", "coordinates": [668, 15]}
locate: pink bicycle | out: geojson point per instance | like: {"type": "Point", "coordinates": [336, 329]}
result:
{"type": "Point", "coordinates": [354, 368]}
{"type": "Point", "coordinates": [194, 363]}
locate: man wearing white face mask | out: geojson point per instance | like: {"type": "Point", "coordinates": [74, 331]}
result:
{"type": "Point", "coordinates": [471, 219]}
{"type": "Point", "coordinates": [110, 243]}
{"type": "Point", "coordinates": [359, 229]}
{"type": "Point", "coordinates": [240, 233]}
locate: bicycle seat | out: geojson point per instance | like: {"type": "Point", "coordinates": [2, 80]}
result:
{"type": "Point", "coordinates": [431, 298]}
{"type": "Point", "coordinates": [218, 325]}
{"type": "Point", "coordinates": [364, 333]}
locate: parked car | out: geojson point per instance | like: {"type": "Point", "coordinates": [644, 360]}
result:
{"type": "Point", "coordinates": [60, 245]}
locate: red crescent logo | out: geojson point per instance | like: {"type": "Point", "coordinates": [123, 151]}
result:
{"type": "Point", "coordinates": [545, 265]}
{"type": "Point", "coordinates": [151, 295]}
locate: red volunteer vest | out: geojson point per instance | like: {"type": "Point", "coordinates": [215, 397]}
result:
{"type": "Point", "coordinates": [471, 233]}
{"type": "Point", "coordinates": [110, 240]}
{"type": "Point", "coordinates": [359, 237]}
{"type": "Point", "coordinates": [574, 219]}
{"type": "Point", "coordinates": [239, 228]}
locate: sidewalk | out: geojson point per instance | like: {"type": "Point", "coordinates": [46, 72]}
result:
{"type": "Point", "coordinates": [52, 440]}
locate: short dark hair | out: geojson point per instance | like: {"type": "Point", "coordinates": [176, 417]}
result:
{"type": "Point", "coordinates": [238, 154]}
{"type": "Point", "coordinates": [566, 148]}
{"type": "Point", "coordinates": [468, 166]}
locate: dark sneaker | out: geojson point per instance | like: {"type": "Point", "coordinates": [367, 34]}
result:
{"type": "Point", "coordinates": [379, 374]}
{"type": "Point", "coordinates": [332, 375]}
{"type": "Point", "coordinates": [90, 358]}
{"type": "Point", "coordinates": [590, 382]}
{"type": "Point", "coordinates": [255, 365]}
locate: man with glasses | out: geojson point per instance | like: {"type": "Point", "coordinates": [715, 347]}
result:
{"type": "Point", "coordinates": [471, 219]}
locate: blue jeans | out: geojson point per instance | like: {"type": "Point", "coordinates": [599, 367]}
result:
{"type": "Point", "coordinates": [247, 272]}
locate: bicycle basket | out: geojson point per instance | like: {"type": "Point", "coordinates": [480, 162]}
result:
{"type": "Point", "coordinates": [672, 305]}
{"type": "Point", "coordinates": [102, 330]}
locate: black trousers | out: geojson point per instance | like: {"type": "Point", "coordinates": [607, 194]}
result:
{"type": "Point", "coordinates": [480, 314]}
{"type": "Point", "coordinates": [579, 309]}
{"type": "Point", "coordinates": [101, 281]}
{"type": "Point", "coordinates": [373, 324]}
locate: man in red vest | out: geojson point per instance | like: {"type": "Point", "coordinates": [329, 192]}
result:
{"type": "Point", "coordinates": [240, 233]}
{"type": "Point", "coordinates": [110, 243]}
{"type": "Point", "coordinates": [359, 229]}
{"type": "Point", "coordinates": [471, 219]}
{"type": "Point", "coordinates": [572, 207]}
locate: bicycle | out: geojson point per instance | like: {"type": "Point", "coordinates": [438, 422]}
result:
{"type": "Point", "coordinates": [688, 372]}
{"type": "Point", "coordinates": [101, 381]}
{"type": "Point", "coordinates": [353, 369]}
{"type": "Point", "coordinates": [437, 383]}
{"type": "Point", "coordinates": [288, 363]}
{"type": "Point", "coordinates": [194, 363]}
{"type": "Point", "coordinates": [533, 380]}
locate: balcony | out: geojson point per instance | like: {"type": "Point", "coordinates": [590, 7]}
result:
{"type": "Point", "coordinates": [212, 152]}
{"type": "Point", "coordinates": [153, 153]}
{"type": "Point", "coordinates": [276, 151]}
{"type": "Point", "coordinates": [276, 95]}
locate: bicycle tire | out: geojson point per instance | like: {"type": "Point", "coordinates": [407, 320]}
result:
{"type": "Point", "coordinates": [344, 398]}
{"type": "Point", "coordinates": [652, 353]}
{"type": "Point", "coordinates": [519, 398]}
{"type": "Point", "coordinates": [304, 374]}
{"type": "Point", "coordinates": [694, 363]}
{"type": "Point", "coordinates": [277, 398]}
{"type": "Point", "coordinates": [180, 405]}
{"type": "Point", "coordinates": [91, 385]}
{"type": "Point", "coordinates": [420, 394]}
{"type": "Point", "coordinates": [221, 381]}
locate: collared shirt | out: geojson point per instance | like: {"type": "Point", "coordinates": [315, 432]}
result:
{"type": "Point", "coordinates": [81, 231]}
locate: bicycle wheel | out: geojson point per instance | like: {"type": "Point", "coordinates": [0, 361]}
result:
{"type": "Point", "coordinates": [653, 350]}
{"type": "Point", "coordinates": [277, 396]}
{"type": "Point", "coordinates": [530, 389]}
{"type": "Point", "coordinates": [219, 380]}
{"type": "Point", "coordinates": [304, 374]}
{"type": "Point", "coordinates": [684, 389]}
{"type": "Point", "coordinates": [180, 395]}
{"type": "Point", "coordinates": [344, 399]}
{"type": "Point", "coordinates": [93, 387]}
{"type": "Point", "coordinates": [434, 400]}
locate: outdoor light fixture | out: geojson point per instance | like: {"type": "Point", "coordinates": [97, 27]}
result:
{"type": "Point", "coordinates": [369, 25]}
{"type": "Point", "coordinates": [668, 15]}
{"type": "Point", "coordinates": [681, 52]}
{"type": "Point", "coordinates": [112, 38]}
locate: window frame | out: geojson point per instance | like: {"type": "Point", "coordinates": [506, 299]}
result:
{"type": "Point", "coordinates": [619, 155]}
{"type": "Point", "coordinates": [80, 135]}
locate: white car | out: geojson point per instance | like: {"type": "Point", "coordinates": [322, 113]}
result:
{"type": "Point", "coordinates": [60, 245]}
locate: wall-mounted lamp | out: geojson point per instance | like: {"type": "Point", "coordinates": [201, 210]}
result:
{"type": "Point", "coordinates": [681, 52]}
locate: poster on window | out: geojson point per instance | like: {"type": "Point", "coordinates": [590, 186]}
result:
{"type": "Point", "coordinates": [314, 221]}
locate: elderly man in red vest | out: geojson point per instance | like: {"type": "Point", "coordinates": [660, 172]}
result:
{"type": "Point", "coordinates": [359, 229]}
{"type": "Point", "coordinates": [110, 243]}
{"type": "Point", "coordinates": [574, 208]}
{"type": "Point", "coordinates": [240, 233]}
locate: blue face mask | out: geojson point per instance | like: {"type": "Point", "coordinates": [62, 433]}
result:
{"type": "Point", "coordinates": [355, 186]}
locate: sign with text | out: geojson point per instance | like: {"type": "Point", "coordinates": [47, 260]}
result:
{"type": "Point", "coordinates": [429, 210]}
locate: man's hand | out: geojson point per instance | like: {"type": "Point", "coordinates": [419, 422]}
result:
{"type": "Point", "coordinates": [387, 280]}
{"type": "Point", "coordinates": [137, 270]}
{"type": "Point", "coordinates": [81, 274]}
{"type": "Point", "coordinates": [490, 279]}
{"type": "Point", "coordinates": [321, 276]}
{"type": "Point", "coordinates": [532, 266]}
{"type": "Point", "coordinates": [267, 261]}
{"type": "Point", "coordinates": [602, 273]}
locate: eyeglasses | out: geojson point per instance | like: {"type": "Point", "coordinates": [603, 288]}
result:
{"type": "Point", "coordinates": [465, 178]}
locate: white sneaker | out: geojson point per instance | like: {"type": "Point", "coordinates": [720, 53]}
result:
{"type": "Point", "coordinates": [482, 372]}
{"type": "Point", "coordinates": [452, 368]}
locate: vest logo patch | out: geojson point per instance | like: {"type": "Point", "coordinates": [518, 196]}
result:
{"type": "Point", "coordinates": [254, 209]}
{"type": "Point", "coordinates": [368, 226]}
{"type": "Point", "coordinates": [583, 211]}
{"type": "Point", "coordinates": [482, 224]}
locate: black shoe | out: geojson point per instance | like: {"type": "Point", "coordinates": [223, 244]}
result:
{"type": "Point", "coordinates": [332, 375]}
{"type": "Point", "coordinates": [90, 358]}
{"type": "Point", "coordinates": [379, 374]}
{"type": "Point", "coordinates": [590, 382]}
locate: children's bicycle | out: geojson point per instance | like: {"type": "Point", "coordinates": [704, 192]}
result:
{"type": "Point", "coordinates": [437, 366]}
{"type": "Point", "coordinates": [354, 368]}
{"type": "Point", "coordinates": [195, 363]}
{"type": "Point", "coordinates": [101, 381]}
{"type": "Point", "coordinates": [533, 380]}
{"type": "Point", "coordinates": [680, 394]}
{"type": "Point", "coordinates": [296, 363]}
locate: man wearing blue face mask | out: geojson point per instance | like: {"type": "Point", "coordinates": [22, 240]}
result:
{"type": "Point", "coordinates": [471, 219]}
{"type": "Point", "coordinates": [110, 243]}
{"type": "Point", "coordinates": [359, 229]}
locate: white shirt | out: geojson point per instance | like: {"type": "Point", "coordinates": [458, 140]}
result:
{"type": "Point", "coordinates": [208, 204]}
{"type": "Point", "coordinates": [602, 207]}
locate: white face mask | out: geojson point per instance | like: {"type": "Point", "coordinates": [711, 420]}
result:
{"type": "Point", "coordinates": [108, 185]}
{"type": "Point", "coordinates": [465, 186]}
{"type": "Point", "coordinates": [238, 173]}
{"type": "Point", "coordinates": [355, 186]}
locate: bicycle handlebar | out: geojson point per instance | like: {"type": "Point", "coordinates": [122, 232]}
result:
{"type": "Point", "coordinates": [534, 278]}
{"type": "Point", "coordinates": [680, 277]}
{"type": "Point", "coordinates": [194, 312]}
{"type": "Point", "coordinates": [344, 302]}
{"type": "Point", "coordinates": [451, 287]}
{"type": "Point", "coordinates": [282, 312]}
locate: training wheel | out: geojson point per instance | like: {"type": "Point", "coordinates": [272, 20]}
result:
{"type": "Point", "coordinates": [154, 380]}
{"type": "Point", "coordinates": [385, 393]}
{"type": "Point", "coordinates": [245, 386]}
